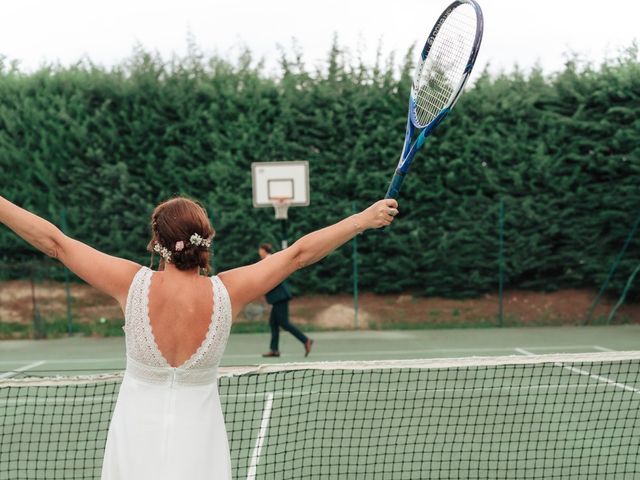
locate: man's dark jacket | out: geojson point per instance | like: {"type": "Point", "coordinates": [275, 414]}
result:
{"type": "Point", "coordinates": [279, 294]}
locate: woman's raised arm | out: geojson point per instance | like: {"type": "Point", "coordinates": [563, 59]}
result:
{"type": "Point", "coordinates": [248, 283]}
{"type": "Point", "coordinates": [111, 275]}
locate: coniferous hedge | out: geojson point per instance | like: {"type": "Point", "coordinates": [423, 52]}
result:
{"type": "Point", "coordinates": [103, 146]}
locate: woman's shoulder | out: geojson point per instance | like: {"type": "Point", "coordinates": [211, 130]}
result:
{"type": "Point", "coordinates": [223, 281]}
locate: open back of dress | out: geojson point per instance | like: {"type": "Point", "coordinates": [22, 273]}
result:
{"type": "Point", "coordinates": [168, 423]}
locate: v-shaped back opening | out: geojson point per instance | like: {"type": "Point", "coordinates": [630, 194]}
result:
{"type": "Point", "coordinates": [201, 345]}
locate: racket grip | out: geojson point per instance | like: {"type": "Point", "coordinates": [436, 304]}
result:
{"type": "Point", "coordinates": [394, 187]}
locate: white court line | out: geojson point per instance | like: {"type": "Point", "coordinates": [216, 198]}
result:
{"type": "Point", "coordinates": [603, 349]}
{"type": "Point", "coordinates": [415, 393]}
{"type": "Point", "coordinates": [363, 353]}
{"type": "Point", "coordinates": [600, 378]}
{"type": "Point", "coordinates": [276, 394]}
{"type": "Point", "coordinates": [255, 455]}
{"type": "Point", "coordinates": [433, 350]}
{"type": "Point", "coordinates": [21, 369]}
{"type": "Point", "coordinates": [522, 351]}
{"type": "Point", "coordinates": [71, 360]}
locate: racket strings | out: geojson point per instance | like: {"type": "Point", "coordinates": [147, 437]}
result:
{"type": "Point", "coordinates": [437, 78]}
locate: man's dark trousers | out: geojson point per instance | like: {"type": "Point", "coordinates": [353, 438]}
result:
{"type": "Point", "coordinates": [280, 318]}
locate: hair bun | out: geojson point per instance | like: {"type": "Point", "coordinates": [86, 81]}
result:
{"type": "Point", "coordinates": [182, 225]}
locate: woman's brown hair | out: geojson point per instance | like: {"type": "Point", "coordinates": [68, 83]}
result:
{"type": "Point", "coordinates": [267, 247]}
{"type": "Point", "coordinates": [175, 221]}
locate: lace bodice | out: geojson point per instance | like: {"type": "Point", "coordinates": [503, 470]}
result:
{"type": "Point", "coordinates": [143, 355]}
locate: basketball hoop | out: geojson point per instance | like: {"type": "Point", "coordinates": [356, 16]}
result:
{"type": "Point", "coordinates": [280, 185]}
{"type": "Point", "coordinates": [281, 206]}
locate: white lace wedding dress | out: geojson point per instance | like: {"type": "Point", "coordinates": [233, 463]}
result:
{"type": "Point", "coordinates": [168, 423]}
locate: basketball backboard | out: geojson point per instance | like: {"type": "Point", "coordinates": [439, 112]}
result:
{"type": "Point", "coordinates": [273, 181]}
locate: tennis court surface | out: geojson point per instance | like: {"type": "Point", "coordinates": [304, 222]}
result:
{"type": "Point", "coordinates": [506, 404]}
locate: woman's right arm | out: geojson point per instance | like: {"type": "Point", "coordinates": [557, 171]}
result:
{"type": "Point", "coordinates": [245, 284]}
{"type": "Point", "coordinates": [111, 275]}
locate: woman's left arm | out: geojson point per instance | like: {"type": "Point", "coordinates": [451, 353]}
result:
{"type": "Point", "coordinates": [111, 275]}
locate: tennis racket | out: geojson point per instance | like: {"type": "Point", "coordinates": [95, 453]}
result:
{"type": "Point", "coordinates": [443, 68]}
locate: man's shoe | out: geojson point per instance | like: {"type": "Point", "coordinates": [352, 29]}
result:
{"type": "Point", "coordinates": [271, 354]}
{"type": "Point", "coordinates": [307, 347]}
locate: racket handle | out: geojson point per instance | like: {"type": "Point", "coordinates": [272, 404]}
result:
{"type": "Point", "coordinates": [394, 187]}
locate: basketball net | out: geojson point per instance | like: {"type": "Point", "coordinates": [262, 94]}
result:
{"type": "Point", "coordinates": [281, 206]}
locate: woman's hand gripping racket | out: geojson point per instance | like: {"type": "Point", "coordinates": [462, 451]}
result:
{"type": "Point", "coordinates": [443, 68]}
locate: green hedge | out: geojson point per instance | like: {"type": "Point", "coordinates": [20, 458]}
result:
{"type": "Point", "coordinates": [562, 151]}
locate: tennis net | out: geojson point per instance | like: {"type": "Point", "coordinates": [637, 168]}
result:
{"type": "Point", "coordinates": [548, 416]}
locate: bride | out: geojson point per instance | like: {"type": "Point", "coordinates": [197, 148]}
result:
{"type": "Point", "coordinates": [168, 423]}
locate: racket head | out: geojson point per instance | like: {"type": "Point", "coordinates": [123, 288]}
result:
{"type": "Point", "coordinates": [445, 62]}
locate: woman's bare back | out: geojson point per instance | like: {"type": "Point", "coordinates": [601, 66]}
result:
{"type": "Point", "coordinates": [180, 313]}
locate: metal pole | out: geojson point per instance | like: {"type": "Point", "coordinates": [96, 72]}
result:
{"type": "Point", "coordinates": [38, 327]}
{"type": "Point", "coordinates": [355, 276]}
{"type": "Point", "coordinates": [214, 248]}
{"type": "Point", "coordinates": [611, 272]}
{"type": "Point", "coordinates": [624, 295]}
{"type": "Point", "coordinates": [500, 263]}
{"type": "Point", "coordinates": [67, 287]}
{"type": "Point", "coordinates": [283, 242]}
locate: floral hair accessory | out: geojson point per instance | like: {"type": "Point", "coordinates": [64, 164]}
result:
{"type": "Point", "coordinates": [179, 246]}
{"type": "Point", "coordinates": [164, 253]}
{"type": "Point", "coordinates": [199, 241]}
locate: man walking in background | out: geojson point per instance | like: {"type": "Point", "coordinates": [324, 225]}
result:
{"type": "Point", "coordinates": [279, 298]}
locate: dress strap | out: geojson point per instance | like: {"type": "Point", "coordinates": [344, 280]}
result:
{"type": "Point", "coordinates": [139, 338]}
{"type": "Point", "coordinates": [135, 290]}
{"type": "Point", "coordinates": [210, 351]}
{"type": "Point", "coordinates": [223, 301]}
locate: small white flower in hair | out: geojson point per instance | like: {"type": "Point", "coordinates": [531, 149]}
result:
{"type": "Point", "coordinates": [199, 241]}
{"type": "Point", "coordinates": [164, 253]}
{"type": "Point", "coordinates": [179, 246]}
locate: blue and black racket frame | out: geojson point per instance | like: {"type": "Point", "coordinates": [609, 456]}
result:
{"type": "Point", "coordinates": [408, 150]}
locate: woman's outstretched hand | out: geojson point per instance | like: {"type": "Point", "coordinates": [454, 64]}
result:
{"type": "Point", "coordinates": [380, 214]}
